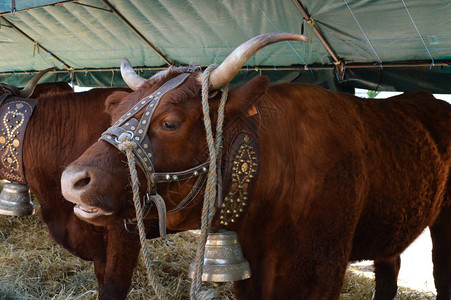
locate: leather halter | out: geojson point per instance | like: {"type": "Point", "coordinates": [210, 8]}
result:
{"type": "Point", "coordinates": [138, 131]}
{"type": "Point", "coordinates": [14, 118]}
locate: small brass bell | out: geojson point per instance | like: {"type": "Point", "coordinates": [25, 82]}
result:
{"type": "Point", "coordinates": [15, 200]}
{"type": "Point", "coordinates": [223, 259]}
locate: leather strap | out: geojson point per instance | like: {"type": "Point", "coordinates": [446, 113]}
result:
{"type": "Point", "coordinates": [137, 129]}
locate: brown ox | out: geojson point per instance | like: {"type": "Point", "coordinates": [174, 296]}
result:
{"type": "Point", "coordinates": [340, 178]}
{"type": "Point", "coordinates": [62, 126]}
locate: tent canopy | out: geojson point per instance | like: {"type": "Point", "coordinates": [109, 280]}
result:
{"type": "Point", "coordinates": [402, 45]}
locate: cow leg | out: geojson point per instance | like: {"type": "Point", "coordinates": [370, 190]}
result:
{"type": "Point", "coordinates": [290, 264]}
{"type": "Point", "coordinates": [115, 271]}
{"type": "Point", "coordinates": [441, 254]}
{"type": "Point", "coordinates": [386, 272]}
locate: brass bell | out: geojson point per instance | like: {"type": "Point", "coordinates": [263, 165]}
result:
{"type": "Point", "coordinates": [15, 200]}
{"type": "Point", "coordinates": [223, 259]}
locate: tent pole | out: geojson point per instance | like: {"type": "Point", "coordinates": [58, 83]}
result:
{"type": "Point", "coordinates": [137, 32]}
{"type": "Point", "coordinates": [41, 6]}
{"type": "Point", "coordinates": [339, 64]}
{"type": "Point", "coordinates": [36, 43]}
{"type": "Point", "coordinates": [260, 68]}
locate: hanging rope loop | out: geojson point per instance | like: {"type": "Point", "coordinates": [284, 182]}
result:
{"type": "Point", "coordinates": [212, 189]}
{"type": "Point", "coordinates": [127, 145]}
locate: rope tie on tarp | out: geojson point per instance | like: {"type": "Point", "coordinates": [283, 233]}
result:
{"type": "Point", "coordinates": [340, 69]}
{"type": "Point", "coordinates": [36, 45]}
{"type": "Point", "coordinates": [127, 145]}
{"type": "Point", "coordinates": [212, 188]}
{"type": "Point", "coordinates": [13, 7]}
{"type": "Point", "coordinates": [311, 22]}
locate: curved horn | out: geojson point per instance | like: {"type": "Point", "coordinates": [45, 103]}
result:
{"type": "Point", "coordinates": [225, 72]}
{"type": "Point", "coordinates": [29, 88]}
{"type": "Point", "coordinates": [133, 80]}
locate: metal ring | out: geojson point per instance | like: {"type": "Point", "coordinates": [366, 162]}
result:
{"type": "Point", "coordinates": [129, 132]}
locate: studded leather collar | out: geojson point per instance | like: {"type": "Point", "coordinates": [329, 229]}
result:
{"type": "Point", "coordinates": [14, 119]}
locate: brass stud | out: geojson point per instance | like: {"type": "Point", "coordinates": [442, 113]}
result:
{"type": "Point", "coordinates": [168, 177]}
{"type": "Point", "coordinates": [143, 121]}
{"type": "Point", "coordinates": [175, 177]}
{"type": "Point", "coordinates": [145, 146]}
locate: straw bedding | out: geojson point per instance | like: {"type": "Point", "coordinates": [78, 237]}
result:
{"type": "Point", "coordinates": [33, 267]}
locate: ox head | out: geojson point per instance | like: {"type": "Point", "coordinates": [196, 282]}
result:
{"type": "Point", "coordinates": [98, 181]}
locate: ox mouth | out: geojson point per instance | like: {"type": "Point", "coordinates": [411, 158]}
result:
{"type": "Point", "coordinates": [89, 212]}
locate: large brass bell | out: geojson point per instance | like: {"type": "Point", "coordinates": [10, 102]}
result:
{"type": "Point", "coordinates": [15, 200]}
{"type": "Point", "coordinates": [223, 259]}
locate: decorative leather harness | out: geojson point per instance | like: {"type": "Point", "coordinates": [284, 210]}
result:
{"type": "Point", "coordinates": [138, 131]}
{"type": "Point", "coordinates": [241, 162]}
{"type": "Point", "coordinates": [14, 119]}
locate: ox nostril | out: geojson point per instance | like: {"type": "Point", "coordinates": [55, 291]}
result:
{"type": "Point", "coordinates": [82, 182]}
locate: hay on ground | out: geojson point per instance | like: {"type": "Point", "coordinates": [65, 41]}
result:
{"type": "Point", "coordinates": [33, 267]}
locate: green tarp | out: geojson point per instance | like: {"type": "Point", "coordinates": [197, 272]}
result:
{"type": "Point", "coordinates": [86, 40]}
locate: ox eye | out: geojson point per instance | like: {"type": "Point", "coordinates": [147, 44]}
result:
{"type": "Point", "coordinates": [169, 125]}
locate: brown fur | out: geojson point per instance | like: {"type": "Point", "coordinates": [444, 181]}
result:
{"type": "Point", "coordinates": [341, 179]}
{"type": "Point", "coordinates": [51, 88]}
{"type": "Point", "coordinates": [63, 125]}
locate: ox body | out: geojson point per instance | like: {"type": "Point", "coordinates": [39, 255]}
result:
{"type": "Point", "coordinates": [62, 126]}
{"type": "Point", "coordinates": [340, 179]}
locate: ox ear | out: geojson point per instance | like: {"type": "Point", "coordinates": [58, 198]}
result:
{"type": "Point", "coordinates": [113, 100]}
{"type": "Point", "coordinates": [242, 97]}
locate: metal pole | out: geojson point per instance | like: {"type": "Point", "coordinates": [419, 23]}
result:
{"type": "Point", "coordinates": [41, 6]}
{"type": "Point", "coordinates": [260, 68]}
{"type": "Point", "coordinates": [317, 33]}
